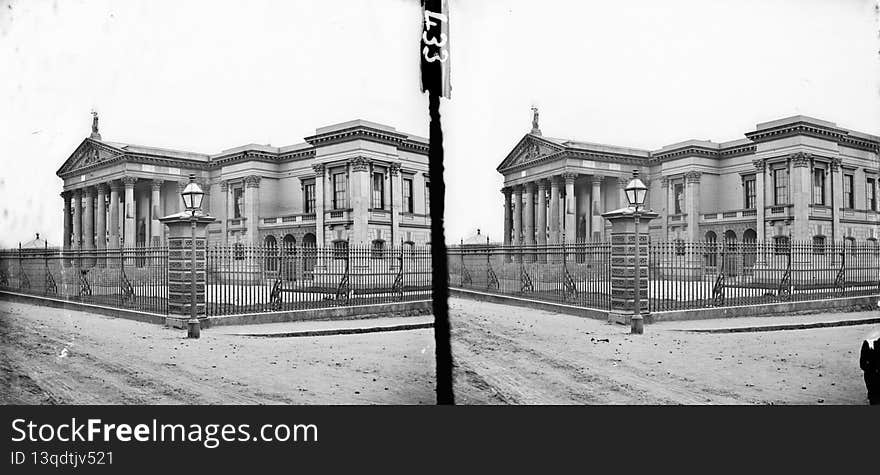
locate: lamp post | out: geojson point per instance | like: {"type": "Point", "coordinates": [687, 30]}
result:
{"type": "Point", "coordinates": [635, 194]}
{"type": "Point", "coordinates": [192, 196]}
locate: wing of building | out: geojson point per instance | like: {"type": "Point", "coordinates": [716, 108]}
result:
{"type": "Point", "coordinates": [795, 178]}
{"type": "Point", "coordinates": [359, 182]}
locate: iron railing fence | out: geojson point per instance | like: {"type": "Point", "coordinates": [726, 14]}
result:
{"type": "Point", "coordinates": [692, 275]}
{"type": "Point", "coordinates": [245, 279]}
{"type": "Point", "coordinates": [577, 273]}
{"type": "Point", "coordinates": [129, 278]}
{"type": "Point", "coordinates": [681, 275]}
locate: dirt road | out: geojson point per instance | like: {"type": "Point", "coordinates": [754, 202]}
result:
{"type": "Point", "coordinates": [68, 357]}
{"type": "Point", "coordinates": [507, 354]}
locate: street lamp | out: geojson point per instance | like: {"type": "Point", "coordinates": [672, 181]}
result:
{"type": "Point", "coordinates": [635, 194]}
{"type": "Point", "coordinates": [192, 196]}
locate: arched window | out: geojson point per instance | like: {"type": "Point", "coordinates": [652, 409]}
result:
{"type": "Point", "coordinates": [378, 249]}
{"type": "Point", "coordinates": [271, 253]}
{"type": "Point", "coordinates": [818, 244]}
{"type": "Point", "coordinates": [310, 252]}
{"type": "Point", "coordinates": [750, 247]}
{"type": "Point", "coordinates": [873, 246]}
{"type": "Point", "coordinates": [288, 257]}
{"type": "Point", "coordinates": [849, 245]}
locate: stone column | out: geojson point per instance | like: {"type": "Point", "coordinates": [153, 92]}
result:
{"type": "Point", "coordinates": [88, 217]}
{"type": "Point", "coordinates": [129, 226]}
{"type": "Point", "coordinates": [664, 209]}
{"type": "Point", "coordinates": [396, 201]}
{"type": "Point", "coordinates": [114, 215]}
{"type": "Point", "coordinates": [529, 214]}
{"type": "Point", "coordinates": [224, 217]}
{"type": "Point", "coordinates": [554, 210]}
{"type": "Point", "coordinates": [101, 218]}
{"type": "Point", "coordinates": [622, 202]}
{"type": "Point", "coordinates": [252, 208]}
{"type": "Point", "coordinates": [597, 224]}
{"type": "Point", "coordinates": [156, 213]}
{"type": "Point", "coordinates": [800, 195]}
{"type": "Point", "coordinates": [68, 221]}
{"type": "Point", "coordinates": [836, 199]}
{"type": "Point", "coordinates": [508, 214]}
{"type": "Point", "coordinates": [77, 219]}
{"type": "Point", "coordinates": [692, 204]}
{"type": "Point", "coordinates": [541, 221]}
{"type": "Point", "coordinates": [760, 202]}
{"type": "Point", "coordinates": [570, 208]}
{"type": "Point", "coordinates": [359, 197]}
{"type": "Point", "coordinates": [181, 206]}
{"type": "Point", "coordinates": [517, 215]}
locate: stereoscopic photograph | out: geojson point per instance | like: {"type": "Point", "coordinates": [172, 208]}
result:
{"type": "Point", "coordinates": [642, 203]}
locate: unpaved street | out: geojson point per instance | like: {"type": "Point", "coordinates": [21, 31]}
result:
{"type": "Point", "coordinates": [506, 354]}
{"type": "Point", "coordinates": [70, 357]}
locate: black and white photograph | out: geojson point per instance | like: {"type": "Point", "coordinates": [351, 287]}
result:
{"type": "Point", "coordinates": [633, 203]}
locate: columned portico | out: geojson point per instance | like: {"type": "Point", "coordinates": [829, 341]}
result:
{"type": "Point", "coordinates": [129, 231]}
{"type": "Point", "coordinates": [517, 215]}
{"type": "Point", "coordinates": [68, 221]}
{"type": "Point", "coordinates": [101, 218]}
{"type": "Point", "coordinates": [570, 208]}
{"type": "Point", "coordinates": [529, 214]}
{"type": "Point", "coordinates": [597, 223]}
{"type": "Point", "coordinates": [114, 214]}
{"type": "Point", "coordinates": [555, 217]}
{"type": "Point", "coordinates": [156, 227]}
{"type": "Point", "coordinates": [508, 215]}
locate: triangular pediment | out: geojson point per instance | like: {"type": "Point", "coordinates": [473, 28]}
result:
{"type": "Point", "coordinates": [531, 148]}
{"type": "Point", "coordinates": [88, 154]}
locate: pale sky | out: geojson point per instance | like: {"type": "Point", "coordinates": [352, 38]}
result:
{"type": "Point", "coordinates": [205, 76]}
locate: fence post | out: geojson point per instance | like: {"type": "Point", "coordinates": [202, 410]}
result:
{"type": "Point", "coordinates": [180, 268]}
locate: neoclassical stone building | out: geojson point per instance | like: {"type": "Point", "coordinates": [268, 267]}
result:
{"type": "Point", "coordinates": [357, 182]}
{"type": "Point", "coordinates": [797, 177]}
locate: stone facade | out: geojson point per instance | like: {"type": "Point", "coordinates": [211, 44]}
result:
{"type": "Point", "coordinates": [357, 182]}
{"type": "Point", "coordinates": [798, 178]}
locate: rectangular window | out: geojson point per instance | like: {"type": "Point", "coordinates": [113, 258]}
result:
{"type": "Point", "coordinates": [407, 195]}
{"type": "Point", "coordinates": [818, 186]}
{"type": "Point", "coordinates": [780, 186]}
{"type": "Point", "coordinates": [678, 191]}
{"type": "Point", "coordinates": [871, 193]}
{"type": "Point", "coordinates": [378, 190]}
{"type": "Point", "coordinates": [848, 196]}
{"type": "Point", "coordinates": [749, 188]}
{"type": "Point", "coordinates": [427, 197]}
{"type": "Point", "coordinates": [309, 198]}
{"type": "Point", "coordinates": [339, 182]}
{"type": "Point", "coordinates": [238, 202]}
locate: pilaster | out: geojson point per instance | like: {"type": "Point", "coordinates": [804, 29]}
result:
{"type": "Point", "coordinates": [252, 208]}
{"type": "Point", "coordinates": [692, 204]}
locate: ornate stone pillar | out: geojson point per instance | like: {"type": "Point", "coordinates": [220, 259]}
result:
{"type": "Point", "coordinates": [529, 214]}
{"type": "Point", "coordinates": [252, 208]}
{"type": "Point", "coordinates": [129, 226]}
{"type": "Point", "coordinates": [224, 218]}
{"type": "Point", "coordinates": [68, 221]}
{"type": "Point", "coordinates": [181, 206]}
{"type": "Point", "coordinates": [508, 214]}
{"type": "Point", "coordinates": [554, 211]}
{"type": "Point", "coordinates": [156, 213]}
{"type": "Point", "coordinates": [101, 218]}
{"type": "Point", "coordinates": [622, 202]}
{"type": "Point", "coordinates": [88, 226]}
{"type": "Point", "coordinates": [692, 204]}
{"type": "Point", "coordinates": [541, 221]}
{"type": "Point", "coordinates": [114, 215]}
{"type": "Point", "coordinates": [77, 219]}
{"type": "Point", "coordinates": [396, 201]}
{"type": "Point", "coordinates": [517, 215]}
{"type": "Point", "coordinates": [800, 195]}
{"type": "Point", "coordinates": [760, 202]}
{"type": "Point", "coordinates": [570, 208]}
{"type": "Point", "coordinates": [597, 224]}
{"type": "Point", "coordinates": [664, 209]}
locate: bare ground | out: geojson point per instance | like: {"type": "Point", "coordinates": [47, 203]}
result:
{"type": "Point", "coordinates": [513, 355]}
{"type": "Point", "coordinates": [54, 356]}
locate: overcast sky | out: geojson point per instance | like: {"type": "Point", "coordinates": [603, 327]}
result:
{"type": "Point", "coordinates": [205, 76]}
